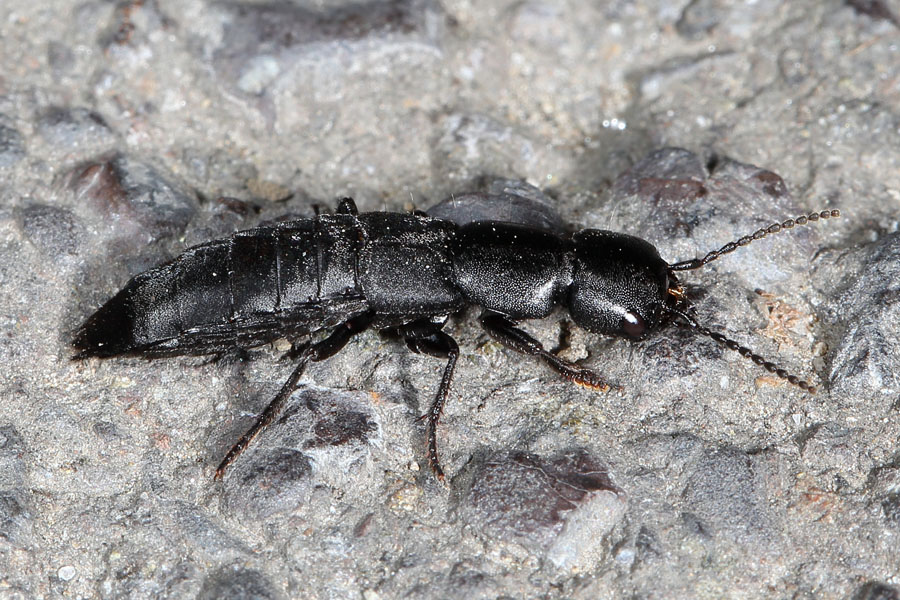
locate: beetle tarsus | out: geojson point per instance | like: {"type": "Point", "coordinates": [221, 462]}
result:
{"type": "Point", "coordinates": [504, 331]}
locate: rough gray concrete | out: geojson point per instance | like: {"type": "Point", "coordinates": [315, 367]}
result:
{"type": "Point", "coordinates": [130, 130]}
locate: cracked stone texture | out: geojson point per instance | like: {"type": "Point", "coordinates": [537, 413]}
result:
{"type": "Point", "coordinates": [133, 129]}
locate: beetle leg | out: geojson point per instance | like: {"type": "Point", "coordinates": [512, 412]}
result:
{"type": "Point", "coordinates": [504, 331]}
{"type": "Point", "coordinates": [315, 352]}
{"type": "Point", "coordinates": [347, 207]}
{"type": "Point", "coordinates": [426, 337]}
{"type": "Point", "coordinates": [296, 351]}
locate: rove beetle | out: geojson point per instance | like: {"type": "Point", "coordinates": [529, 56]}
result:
{"type": "Point", "coordinates": [404, 273]}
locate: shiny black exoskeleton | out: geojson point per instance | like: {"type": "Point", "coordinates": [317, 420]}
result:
{"type": "Point", "coordinates": [401, 272]}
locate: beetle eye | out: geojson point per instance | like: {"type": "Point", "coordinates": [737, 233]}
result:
{"type": "Point", "coordinates": [633, 325]}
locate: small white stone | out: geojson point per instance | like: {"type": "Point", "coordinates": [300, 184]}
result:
{"type": "Point", "coordinates": [67, 572]}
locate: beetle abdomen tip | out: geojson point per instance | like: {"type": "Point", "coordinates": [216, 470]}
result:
{"type": "Point", "coordinates": [107, 332]}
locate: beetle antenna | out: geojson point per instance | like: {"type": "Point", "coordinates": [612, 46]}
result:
{"type": "Point", "coordinates": [689, 322]}
{"type": "Point", "coordinates": [696, 263]}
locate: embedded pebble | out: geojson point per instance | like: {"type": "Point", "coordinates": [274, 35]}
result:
{"type": "Point", "coordinates": [72, 128]}
{"type": "Point", "coordinates": [890, 506]}
{"type": "Point", "coordinates": [473, 144]}
{"type": "Point", "coordinates": [53, 229]}
{"type": "Point", "coordinates": [263, 40]}
{"type": "Point", "coordinates": [562, 507]}
{"type": "Point", "coordinates": [237, 583]}
{"type": "Point", "coordinates": [12, 146]}
{"type": "Point", "coordinates": [724, 492]}
{"type": "Point", "coordinates": [829, 450]}
{"type": "Point", "coordinates": [699, 18]}
{"type": "Point", "coordinates": [138, 204]}
{"type": "Point", "coordinates": [67, 572]}
{"type": "Point", "coordinates": [319, 418]}
{"type": "Point", "coordinates": [505, 200]}
{"type": "Point", "coordinates": [866, 356]}
{"type": "Point", "coordinates": [877, 9]}
{"type": "Point", "coordinates": [322, 436]}
{"type": "Point", "coordinates": [883, 486]}
{"type": "Point", "coordinates": [874, 590]}
{"type": "Point", "coordinates": [201, 533]}
{"type": "Point", "coordinates": [268, 481]}
{"type": "Point", "coordinates": [15, 518]}
{"type": "Point", "coordinates": [687, 207]}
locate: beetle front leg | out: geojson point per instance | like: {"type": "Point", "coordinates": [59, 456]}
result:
{"type": "Point", "coordinates": [314, 352]}
{"type": "Point", "coordinates": [505, 331]}
{"type": "Point", "coordinates": [426, 337]}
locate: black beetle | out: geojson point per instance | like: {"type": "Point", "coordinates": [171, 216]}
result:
{"type": "Point", "coordinates": [400, 272]}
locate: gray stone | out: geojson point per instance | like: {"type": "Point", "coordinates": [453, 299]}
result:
{"type": "Point", "coordinates": [321, 436]}
{"type": "Point", "coordinates": [471, 145]}
{"type": "Point", "coordinates": [268, 482]}
{"type": "Point", "coordinates": [12, 146]}
{"type": "Point", "coordinates": [828, 450]}
{"type": "Point", "coordinates": [563, 507]}
{"type": "Point", "coordinates": [15, 519]}
{"type": "Point", "coordinates": [505, 200]}
{"type": "Point", "coordinates": [725, 491]}
{"type": "Point", "coordinates": [135, 202]}
{"type": "Point", "coordinates": [53, 229]}
{"type": "Point", "coordinates": [877, 9]}
{"type": "Point", "coordinates": [264, 40]}
{"type": "Point", "coordinates": [866, 355]}
{"type": "Point", "coordinates": [876, 591]}
{"type": "Point", "coordinates": [237, 583]}
{"type": "Point", "coordinates": [689, 206]}
{"type": "Point", "coordinates": [74, 128]}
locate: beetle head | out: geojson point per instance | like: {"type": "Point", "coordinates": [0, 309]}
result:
{"type": "Point", "coordinates": [620, 285]}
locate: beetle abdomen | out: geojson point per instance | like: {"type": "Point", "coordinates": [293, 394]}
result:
{"type": "Point", "coordinates": [246, 290]}
{"type": "Point", "coordinates": [159, 305]}
{"type": "Point", "coordinates": [405, 266]}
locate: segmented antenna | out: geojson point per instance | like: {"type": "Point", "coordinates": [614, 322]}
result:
{"type": "Point", "coordinates": [690, 323]}
{"type": "Point", "coordinates": [696, 263]}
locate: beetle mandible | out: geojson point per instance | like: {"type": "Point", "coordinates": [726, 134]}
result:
{"type": "Point", "coordinates": [406, 273]}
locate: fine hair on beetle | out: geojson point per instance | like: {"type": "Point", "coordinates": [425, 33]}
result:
{"type": "Point", "coordinates": [347, 272]}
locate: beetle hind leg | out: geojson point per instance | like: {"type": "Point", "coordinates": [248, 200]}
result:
{"type": "Point", "coordinates": [314, 352]}
{"type": "Point", "coordinates": [504, 331]}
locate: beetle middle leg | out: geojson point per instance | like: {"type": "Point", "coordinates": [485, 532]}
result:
{"type": "Point", "coordinates": [314, 352]}
{"type": "Point", "coordinates": [425, 337]}
{"type": "Point", "coordinates": [505, 331]}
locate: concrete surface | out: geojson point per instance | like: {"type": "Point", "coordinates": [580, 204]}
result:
{"type": "Point", "coordinates": [131, 130]}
